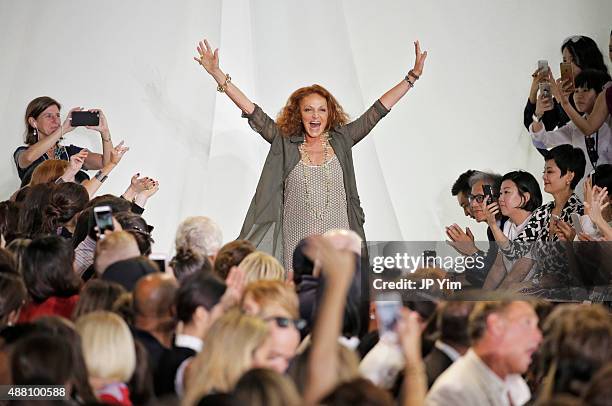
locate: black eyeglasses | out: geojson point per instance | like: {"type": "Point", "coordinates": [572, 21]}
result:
{"type": "Point", "coordinates": [480, 198]}
{"type": "Point", "coordinates": [285, 322]}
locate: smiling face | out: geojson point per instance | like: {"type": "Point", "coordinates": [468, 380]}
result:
{"type": "Point", "coordinates": [48, 121]}
{"type": "Point", "coordinates": [553, 181]}
{"type": "Point", "coordinates": [315, 113]}
{"type": "Point", "coordinates": [585, 99]}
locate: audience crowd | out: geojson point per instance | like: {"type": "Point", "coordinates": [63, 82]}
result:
{"type": "Point", "coordinates": [85, 304]}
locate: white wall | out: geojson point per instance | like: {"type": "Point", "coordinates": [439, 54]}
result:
{"type": "Point", "coordinates": [134, 60]}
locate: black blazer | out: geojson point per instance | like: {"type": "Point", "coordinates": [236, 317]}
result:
{"type": "Point", "coordinates": [165, 373]}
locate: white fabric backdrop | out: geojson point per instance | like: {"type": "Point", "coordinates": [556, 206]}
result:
{"type": "Point", "coordinates": [133, 59]}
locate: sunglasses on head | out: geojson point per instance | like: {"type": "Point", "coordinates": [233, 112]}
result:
{"type": "Point", "coordinates": [285, 322]}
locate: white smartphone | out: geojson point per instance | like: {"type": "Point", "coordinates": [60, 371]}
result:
{"type": "Point", "coordinates": [104, 219]}
{"type": "Point", "coordinates": [543, 65]}
{"type": "Point", "coordinates": [388, 306]}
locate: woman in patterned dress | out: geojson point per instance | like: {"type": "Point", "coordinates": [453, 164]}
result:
{"type": "Point", "coordinates": [307, 185]}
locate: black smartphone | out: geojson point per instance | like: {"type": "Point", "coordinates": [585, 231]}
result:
{"type": "Point", "coordinates": [488, 192]}
{"type": "Point", "coordinates": [104, 219]}
{"type": "Point", "coordinates": [85, 118]}
{"type": "Point", "coordinates": [160, 260]}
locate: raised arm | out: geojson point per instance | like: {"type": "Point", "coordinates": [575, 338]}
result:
{"type": "Point", "coordinates": [210, 62]}
{"type": "Point", "coordinates": [398, 91]}
{"type": "Point", "coordinates": [594, 120]}
{"type": "Point", "coordinates": [95, 160]}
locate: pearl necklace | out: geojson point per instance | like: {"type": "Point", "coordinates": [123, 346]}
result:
{"type": "Point", "coordinates": [307, 161]}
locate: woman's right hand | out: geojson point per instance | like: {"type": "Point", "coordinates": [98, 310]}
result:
{"type": "Point", "coordinates": [543, 104]}
{"type": "Point", "coordinates": [67, 124]}
{"type": "Point", "coordinates": [208, 58]}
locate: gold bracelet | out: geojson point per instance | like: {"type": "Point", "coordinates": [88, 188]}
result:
{"type": "Point", "coordinates": [222, 88]}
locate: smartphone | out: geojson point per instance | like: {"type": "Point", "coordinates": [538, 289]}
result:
{"type": "Point", "coordinates": [429, 257]}
{"type": "Point", "coordinates": [576, 223]}
{"type": "Point", "coordinates": [567, 74]}
{"type": "Point", "coordinates": [104, 219]}
{"type": "Point", "coordinates": [160, 260]}
{"type": "Point", "coordinates": [84, 118]}
{"type": "Point", "coordinates": [543, 66]}
{"type": "Point", "coordinates": [388, 307]}
{"type": "Point", "coordinates": [544, 88]}
{"type": "Point", "coordinates": [488, 192]}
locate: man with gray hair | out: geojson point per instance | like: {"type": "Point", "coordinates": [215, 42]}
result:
{"type": "Point", "coordinates": [463, 241]}
{"type": "Point", "coordinates": [200, 235]}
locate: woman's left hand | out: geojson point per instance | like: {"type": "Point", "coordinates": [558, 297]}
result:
{"type": "Point", "coordinates": [118, 152]}
{"type": "Point", "coordinates": [564, 231]}
{"type": "Point", "coordinates": [419, 60]}
{"type": "Point", "coordinates": [102, 126]}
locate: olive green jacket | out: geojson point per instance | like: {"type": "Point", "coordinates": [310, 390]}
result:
{"type": "Point", "coordinates": [263, 225]}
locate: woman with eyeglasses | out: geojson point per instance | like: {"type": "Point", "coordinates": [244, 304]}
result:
{"type": "Point", "coordinates": [519, 197]}
{"type": "Point", "coordinates": [550, 223]}
{"type": "Point", "coordinates": [44, 131]}
{"type": "Point", "coordinates": [582, 52]}
{"type": "Point", "coordinates": [277, 304]}
{"type": "Point", "coordinates": [597, 147]}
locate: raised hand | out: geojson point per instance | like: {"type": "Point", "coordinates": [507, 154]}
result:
{"type": "Point", "coordinates": [491, 211]}
{"type": "Point", "coordinates": [139, 185]}
{"type": "Point", "coordinates": [75, 165]}
{"type": "Point", "coordinates": [206, 57]}
{"type": "Point", "coordinates": [461, 241]}
{"type": "Point", "coordinates": [419, 60]}
{"type": "Point", "coordinates": [565, 232]}
{"type": "Point", "coordinates": [102, 126]}
{"type": "Point", "coordinates": [596, 205]}
{"type": "Point", "coordinates": [118, 152]}
{"type": "Point", "coordinates": [67, 124]}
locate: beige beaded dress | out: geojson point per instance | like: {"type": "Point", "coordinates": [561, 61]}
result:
{"type": "Point", "coordinates": [314, 202]}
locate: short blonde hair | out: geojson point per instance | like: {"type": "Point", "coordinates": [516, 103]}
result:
{"type": "Point", "coordinates": [258, 265]}
{"type": "Point", "coordinates": [267, 292]}
{"type": "Point", "coordinates": [115, 247]}
{"type": "Point", "coordinates": [199, 234]}
{"type": "Point", "coordinates": [108, 346]}
{"type": "Point", "coordinates": [228, 353]}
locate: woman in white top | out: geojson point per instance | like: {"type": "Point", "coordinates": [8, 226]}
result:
{"type": "Point", "coordinates": [519, 196]}
{"type": "Point", "coordinates": [597, 147]}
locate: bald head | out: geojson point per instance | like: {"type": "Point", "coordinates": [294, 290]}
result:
{"type": "Point", "coordinates": [154, 295]}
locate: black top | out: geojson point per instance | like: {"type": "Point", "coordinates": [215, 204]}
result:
{"type": "Point", "coordinates": [64, 153]}
{"type": "Point", "coordinates": [169, 362]}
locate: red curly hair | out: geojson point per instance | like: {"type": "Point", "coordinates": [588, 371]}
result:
{"type": "Point", "coordinates": [289, 119]}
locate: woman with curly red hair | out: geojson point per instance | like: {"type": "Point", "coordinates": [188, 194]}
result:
{"type": "Point", "coordinates": [307, 185]}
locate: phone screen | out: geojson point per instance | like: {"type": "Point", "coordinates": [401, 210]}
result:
{"type": "Point", "coordinates": [388, 306]}
{"type": "Point", "coordinates": [104, 218]}
{"type": "Point", "coordinates": [160, 260]}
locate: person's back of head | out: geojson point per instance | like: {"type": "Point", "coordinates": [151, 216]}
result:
{"type": "Point", "coordinates": [138, 227]}
{"type": "Point", "coordinates": [198, 291]}
{"type": "Point", "coordinates": [66, 201]}
{"type": "Point", "coordinates": [48, 171]}
{"type": "Point", "coordinates": [452, 322]}
{"type": "Point", "coordinates": [96, 295]}
{"type": "Point", "coordinates": [47, 269]}
{"type": "Point", "coordinates": [599, 391]}
{"type": "Point", "coordinates": [585, 53]}
{"type": "Point", "coordinates": [114, 247]}
{"type": "Point", "coordinates": [260, 265]}
{"type": "Point", "coordinates": [187, 262]}
{"type": "Point", "coordinates": [603, 177]}
{"type": "Point", "coordinates": [230, 255]}
{"type": "Point", "coordinates": [344, 240]}
{"type": "Point", "coordinates": [358, 392]}
{"type": "Point", "coordinates": [200, 234]}
{"type": "Point", "coordinates": [32, 209]}
{"type": "Point", "coordinates": [264, 387]}
{"type": "Point", "coordinates": [9, 219]}
{"type": "Point", "coordinates": [42, 359]}
{"type": "Point", "coordinates": [13, 295]}
{"type": "Point", "coordinates": [154, 297]}
{"type": "Point", "coordinates": [128, 272]}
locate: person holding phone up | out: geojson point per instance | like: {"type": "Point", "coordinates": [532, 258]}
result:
{"type": "Point", "coordinates": [44, 131]}
{"type": "Point", "coordinates": [307, 185]}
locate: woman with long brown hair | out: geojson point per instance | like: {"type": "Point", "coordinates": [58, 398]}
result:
{"type": "Point", "coordinates": [307, 185]}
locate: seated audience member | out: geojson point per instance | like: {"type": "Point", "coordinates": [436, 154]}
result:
{"type": "Point", "coordinates": [13, 295]}
{"type": "Point", "coordinates": [262, 266]}
{"type": "Point", "coordinates": [154, 314]}
{"type": "Point", "coordinates": [461, 188]}
{"type": "Point", "coordinates": [264, 387]}
{"type": "Point", "coordinates": [277, 304]}
{"type": "Point", "coordinates": [199, 234]}
{"type": "Point", "coordinates": [52, 285]}
{"type": "Point", "coordinates": [44, 130]}
{"type": "Point", "coordinates": [463, 241]}
{"type": "Point", "coordinates": [195, 300]}
{"type": "Point", "coordinates": [67, 200]}
{"type": "Point", "coordinates": [138, 227]}
{"type": "Point", "coordinates": [187, 262]}
{"type": "Point", "coordinates": [519, 197]}
{"type": "Point", "coordinates": [504, 335]}
{"type": "Point", "coordinates": [235, 343]}
{"type": "Point", "coordinates": [597, 219]}
{"type": "Point", "coordinates": [582, 52]}
{"type": "Point", "coordinates": [97, 295]}
{"type": "Point", "coordinates": [17, 247]}
{"type": "Point", "coordinates": [231, 254]}
{"type": "Point", "coordinates": [550, 223]}
{"type": "Point", "coordinates": [597, 147]}
{"type": "Point", "coordinates": [453, 342]}
{"type": "Point", "coordinates": [129, 271]}
{"type": "Point", "coordinates": [110, 356]}
{"type": "Point", "coordinates": [114, 247]}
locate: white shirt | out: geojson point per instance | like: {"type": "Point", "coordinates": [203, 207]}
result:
{"type": "Point", "coordinates": [469, 381]}
{"type": "Point", "coordinates": [449, 351]}
{"type": "Point", "coordinates": [570, 134]}
{"type": "Point", "coordinates": [187, 341]}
